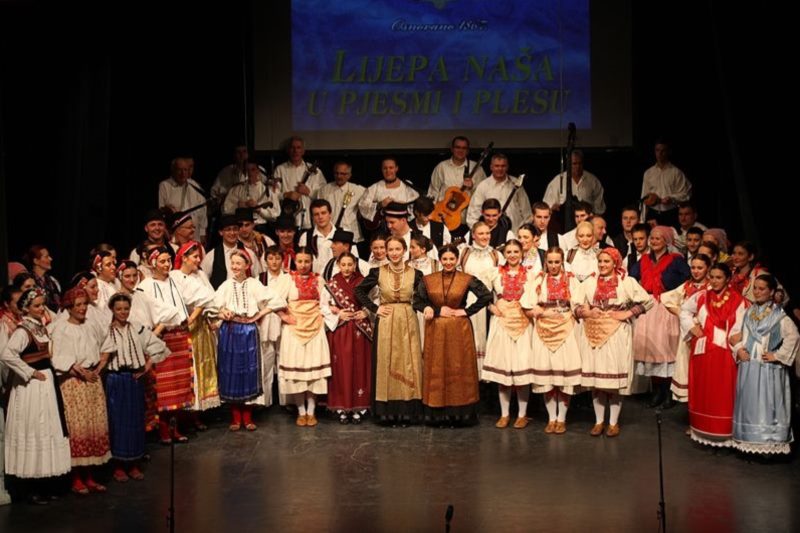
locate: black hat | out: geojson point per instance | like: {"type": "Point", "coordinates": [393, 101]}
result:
{"type": "Point", "coordinates": [341, 235]}
{"type": "Point", "coordinates": [154, 214]}
{"type": "Point", "coordinates": [245, 214]}
{"type": "Point", "coordinates": [396, 209]}
{"type": "Point", "coordinates": [285, 222]}
{"type": "Point", "coordinates": [178, 219]}
{"type": "Point", "coordinates": [228, 220]}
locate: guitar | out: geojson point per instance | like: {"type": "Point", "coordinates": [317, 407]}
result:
{"type": "Point", "coordinates": [348, 197]}
{"type": "Point", "coordinates": [293, 207]}
{"type": "Point", "coordinates": [504, 220]}
{"type": "Point", "coordinates": [377, 221]}
{"type": "Point", "coordinates": [456, 199]}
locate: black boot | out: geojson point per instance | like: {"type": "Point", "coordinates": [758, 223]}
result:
{"type": "Point", "coordinates": [670, 402]}
{"type": "Point", "coordinates": [658, 395]}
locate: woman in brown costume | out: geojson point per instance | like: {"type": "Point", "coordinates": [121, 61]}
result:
{"type": "Point", "coordinates": [450, 371]}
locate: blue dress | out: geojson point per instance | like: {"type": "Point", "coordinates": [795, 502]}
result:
{"type": "Point", "coordinates": [763, 409]}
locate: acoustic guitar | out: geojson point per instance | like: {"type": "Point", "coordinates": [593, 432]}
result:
{"type": "Point", "coordinates": [293, 207]}
{"type": "Point", "coordinates": [456, 199]}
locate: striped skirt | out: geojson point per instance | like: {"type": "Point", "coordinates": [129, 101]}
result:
{"type": "Point", "coordinates": [174, 375]}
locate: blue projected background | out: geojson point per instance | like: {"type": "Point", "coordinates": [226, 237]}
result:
{"type": "Point", "coordinates": [440, 64]}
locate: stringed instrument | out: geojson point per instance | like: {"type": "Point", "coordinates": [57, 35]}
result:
{"type": "Point", "coordinates": [293, 207]}
{"type": "Point", "coordinates": [456, 199]}
{"type": "Point", "coordinates": [377, 221]}
{"type": "Point", "coordinates": [505, 221]}
{"type": "Point", "coordinates": [348, 197]}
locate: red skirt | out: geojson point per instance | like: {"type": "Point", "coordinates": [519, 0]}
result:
{"type": "Point", "coordinates": [174, 384]}
{"type": "Point", "coordinates": [712, 390]}
{"type": "Point", "coordinates": [350, 385]}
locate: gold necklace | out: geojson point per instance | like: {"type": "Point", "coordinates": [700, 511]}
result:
{"type": "Point", "coordinates": [397, 278]}
{"type": "Point", "coordinates": [722, 301]}
{"type": "Point", "coordinates": [758, 317]}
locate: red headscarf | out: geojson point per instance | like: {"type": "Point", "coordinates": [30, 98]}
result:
{"type": "Point", "coordinates": [185, 250]}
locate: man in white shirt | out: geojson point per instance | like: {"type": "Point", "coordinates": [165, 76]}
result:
{"type": "Point", "coordinates": [255, 195]}
{"type": "Point", "coordinates": [541, 220]}
{"type": "Point", "coordinates": [180, 192]}
{"type": "Point", "coordinates": [182, 230]}
{"type": "Point", "coordinates": [319, 237]}
{"type": "Point", "coordinates": [687, 218]}
{"type": "Point", "coordinates": [343, 196]}
{"type": "Point", "coordinates": [500, 186]}
{"type": "Point", "coordinates": [581, 212]}
{"type": "Point", "coordinates": [640, 234]}
{"type": "Point", "coordinates": [624, 240]}
{"type": "Point", "coordinates": [435, 231]}
{"type": "Point", "coordinates": [451, 172]}
{"type": "Point", "coordinates": [291, 174]}
{"type": "Point", "coordinates": [155, 227]}
{"type": "Point", "coordinates": [396, 215]}
{"type": "Point", "coordinates": [341, 242]}
{"type": "Point", "coordinates": [663, 187]}
{"type": "Point", "coordinates": [390, 189]}
{"type": "Point", "coordinates": [217, 262]}
{"type": "Point", "coordinates": [231, 174]}
{"type": "Point", "coordinates": [585, 187]}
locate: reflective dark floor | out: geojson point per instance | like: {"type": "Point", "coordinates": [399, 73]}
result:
{"type": "Point", "coordinates": [370, 478]}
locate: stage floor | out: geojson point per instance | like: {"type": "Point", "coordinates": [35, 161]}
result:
{"type": "Point", "coordinates": [369, 478]}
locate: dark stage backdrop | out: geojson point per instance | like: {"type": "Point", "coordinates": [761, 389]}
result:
{"type": "Point", "coordinates": [92, 113]}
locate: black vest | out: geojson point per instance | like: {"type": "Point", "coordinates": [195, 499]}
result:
{"type": "Point", "coordinates": [437, 233]}
{"type": "Point", "coordinates": [219, 271]}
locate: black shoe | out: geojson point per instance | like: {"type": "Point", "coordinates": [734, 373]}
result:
{"type": "Point", "coordinates": [343, 417]}
{"type": "Point", "coordinates": [669, 403]}
{"type": "Point", "coordinates": [35, 499]}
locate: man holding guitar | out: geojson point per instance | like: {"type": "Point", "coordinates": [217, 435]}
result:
{"type": "Point", "coordinates": [585, 187]}
{"type": "Point", "coordinates": [451, 172]}
{"type": "Point", "coordinates": [256, 195]}
{"type": "Point", "coordinates": [379, 195]}
{"type": "Point", "coordinates": [299, 180]}
{"type": "Point", "coordinates": [343, 197]}
{"type": "Point", "coordinates": [180, 193]}
{"type": "Point", "coordinates": [501, 186]}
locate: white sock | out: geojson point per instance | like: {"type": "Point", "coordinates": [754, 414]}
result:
{"type": "Point", "coordinates": [599, 402]}
{"type": "Point", "coordinates": [550, 405]}
{"type": "Point", "coordinates": [300, 402]}
{"type": "Point", "coordinates": [523, 393]}
{"type": "Point", "coordinates": [615, 406]}
{"type": "Point", "coordinates": [563, 405]}
{"type": "Point", "coordinates": [505, 400]}
{"type": "Point", "coordinates": [311, 400]}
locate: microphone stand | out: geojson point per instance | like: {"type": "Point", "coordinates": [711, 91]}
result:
{"type": "Point", "coordinates": [171, 510]}
{"type": "Point", "coordinates": [662, 510]}
{"type": "Point", "coordinates": [567, 209]}
{"type": "Point", "coordinates": [448, 516]}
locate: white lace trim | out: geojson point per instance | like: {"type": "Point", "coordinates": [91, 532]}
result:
{"type": "Point", "coordinates": [728, 443]}
{"type": "Point", "coordinates": [763, 447]}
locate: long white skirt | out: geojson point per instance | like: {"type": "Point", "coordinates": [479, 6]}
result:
{"type": "Point", "coordinates": [610, 366]}
{"type": "Point", "coordinates": [5, 498]}
{"type": "Point", "coordinates": [508, 361]}
{"type": "Point", "coordinates": [561, 368]}
{"type": "Point", "coordinates": [304, 367]}
{"type": "Point", "coordinates": [268, 354]}
{"type": "Point", "coordinates": [35, 445]}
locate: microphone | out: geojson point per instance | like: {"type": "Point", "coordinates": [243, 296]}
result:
{"type": "Point", "coordinates": [572, 130]}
